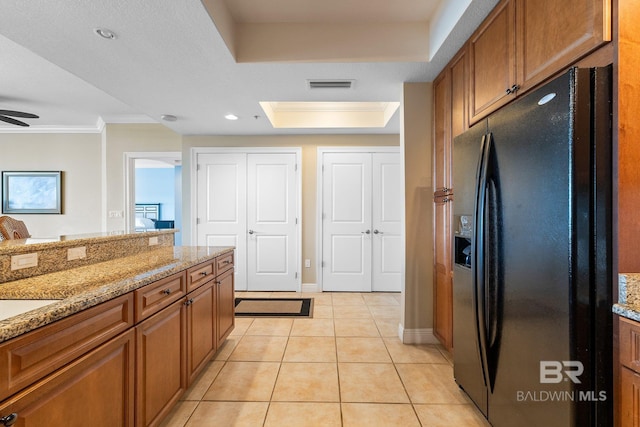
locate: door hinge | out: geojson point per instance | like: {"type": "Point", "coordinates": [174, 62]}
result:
{"type": "Point", "coordinates": [197, 220]}
{"type": "Point", "coordinates": [296, 221]}
{"type": "Point", "coordinates": [198, 167]}
{"type": "Point", "coordinates": [295, 167]}
{"type": "Point", "coordinates": [322, 264]}
{"type": "Point", "coordinates": [296, 275]}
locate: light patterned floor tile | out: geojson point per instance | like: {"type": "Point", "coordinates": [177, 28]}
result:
{"type": "Point", "coordinates": [310, 349]}
{"type": "Point", "coordinates": [307, 382]}
{"type": "Point", "coordinates": [228, 414]}
{"type": "Point", "coordinates": [351, 312]}
{"type": "Point", "coordinates": [322, 311]}
{"type": "Point", "coordinates": [347, 298]}
{"type": "Point", "coordinates": [241, 325]}
{"type": "Point", "coordinates": [413, 353]}
{"type": "Point", "coordinates": [385, 311]}
{"type": "Point", "coordinates": [259, 348]}
{"type": "Point", "coordinates": [388, 327]}
{"type": "Point", "coordinates": [180, 414]}
{"type": "Point", "coordinates": [450, 415]}
{"type": "Point", "coordinates": [431, 383]}
{"type": "Point", "coordinates": [227, 347]}
{"type": "Point", "coordinates": [200, 386]}
{"type": "Point", "coordinates": [312, 328]}
{"type": "Point", "coordinates": [356, 328]}
{"type": "Point", "coordinates": [356, 349]}
{"type": "Point", "coordinates": [379, 415]}
{"type": "Point", "coordinates": [370, 382]}
{"type": "Point", "coordinates": [380, 299]}
{"type": "Point", "coordinates": [270, 326]}
{"type": "Point", "coordinates": [302, 414]}
{"type": "Point", "coordinates": [244, 381]}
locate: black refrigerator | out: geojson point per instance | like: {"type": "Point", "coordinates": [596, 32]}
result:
{"type": "Point", "coordinates": [532, 257]}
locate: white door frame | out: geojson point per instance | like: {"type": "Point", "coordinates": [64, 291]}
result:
{"type": "Point", "coordinates": [319, 199]}
{"type": "Point", "coordinates": [195, 151]}
{"type": "Point", "coordinates": [130, 179]}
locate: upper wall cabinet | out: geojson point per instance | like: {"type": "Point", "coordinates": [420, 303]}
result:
{"type": "Point", "coordinates": [553, 34]}
{"type": "Point", "coordinates": [492, 62]}
{"type": "Point", "coordinates": [523, 42]}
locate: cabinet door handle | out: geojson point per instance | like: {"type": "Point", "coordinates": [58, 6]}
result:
{"type": "Point", "coordinates": [166, 291]}
{"type": "Point", "coordinates": [9, 420]}
{"type": "Point", "coordinates": [366, 232]}
{"type": "Point", "coordinates": [512, 89]}
{"type": "Point", "coordinates": [218, 282]}
{"type": "Point", "coordinates": [377, 232]}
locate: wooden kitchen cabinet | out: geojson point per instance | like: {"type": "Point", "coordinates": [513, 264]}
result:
{"type": "Point", "coordinates": [201, 328]}
{"type": "Point", "coordinates": [492, 62]}
{"type": "Point", "coordinates": [629, 373]}
{"type": "Point", "coordinates": [95, 390]}
{"type": "Point", "coordinates": [552, 34]}
{"type": "Point", "coordinates": [225, 298]}
{"type": "Point", "coordinates": [524, 42]}
{"type": "Point", "coordinates": [160, 363]}
{"type": "Point", "coordinates": [443, 290]}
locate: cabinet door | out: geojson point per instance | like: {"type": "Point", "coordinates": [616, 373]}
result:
{"type": "Point", "coordinates": [492, 62]}
{"type": "Point", "coordinates": [225, 312]}
{"type": "Point", "coordinates": [629, 398]}
{"type": "Point", "coordinates": [459, 109]}
{"type": "Point", "coordinates": [95, 390]}
{"type": "Point", "coordinates": [201, 328]}
{"type": "Point", "coordinates": [554, 34]}
{"type": "Point", "coordinates": [442, 132]}
{"type": "Point", "coordinates": [160, 367]}
{"type": "Point", "coordinates": [443, 296]}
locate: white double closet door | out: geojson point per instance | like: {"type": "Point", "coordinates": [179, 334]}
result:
{"type": "Point", "coordinates": [361, 222]}
{"type": "Point", "coordinates": [250, 201]}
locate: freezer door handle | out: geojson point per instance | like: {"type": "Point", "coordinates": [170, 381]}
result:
{"type": "Point", "coordinates": [479, 266]}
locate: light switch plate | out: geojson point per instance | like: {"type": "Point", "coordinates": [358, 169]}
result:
{"type": "Point", "coordinates": [19, 262]}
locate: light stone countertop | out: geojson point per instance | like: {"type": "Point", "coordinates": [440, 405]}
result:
{"type": "Point", "coordinates": [84, 287]}
{"type": "Point", "coordinates": [628, 296]}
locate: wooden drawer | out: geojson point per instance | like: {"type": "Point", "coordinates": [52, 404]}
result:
{"type": "Point", "coordinates": [200, 274]}
{"type": "Point", "coordinates": [158, 295]}
{"type": "Point", "coordinates": [30, 357]}
{"type": "Point", "coordinates": [630, 344]}
{"type": "Point", "coordinates": [224, 262]}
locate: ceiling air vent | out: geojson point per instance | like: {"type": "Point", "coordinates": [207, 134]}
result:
{"type": "Point", "coordinates": [330, 84]}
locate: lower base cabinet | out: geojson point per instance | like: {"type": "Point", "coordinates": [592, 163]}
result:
{"type": "Point", "coordinates": [225, 304]}
{"type": "Point", "coordinates": [629, 398]}
{"type": "Point", "coordinates": [160, 369]}
{"type": "Point", "coordinates": [96, 390]}
{"type": "Point", "coordinates": [136, 377]}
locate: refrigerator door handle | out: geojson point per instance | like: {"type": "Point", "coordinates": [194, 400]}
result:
{"type": "Point", "coordinates": [478, 264]}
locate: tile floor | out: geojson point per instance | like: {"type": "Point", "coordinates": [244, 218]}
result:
{"type": "Point", "coordinates": [344, 367]}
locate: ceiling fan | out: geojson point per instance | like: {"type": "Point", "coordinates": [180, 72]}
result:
{"type": "Point", "coordinates": [4, 116]}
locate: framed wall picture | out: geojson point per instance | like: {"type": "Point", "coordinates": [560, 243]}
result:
{"type": "Point", "coordinates": [31, 192]}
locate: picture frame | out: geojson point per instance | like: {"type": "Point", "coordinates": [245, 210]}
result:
{"type": "Point", "coordinates": [31, 192]}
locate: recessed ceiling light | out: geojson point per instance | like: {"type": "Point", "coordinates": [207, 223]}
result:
{"type": "Point", "coordinates": [105, 33]}
{"type": "Point", "coordinates": [168, 117]}
{"type": "Point", "coordinates": [231, 117]}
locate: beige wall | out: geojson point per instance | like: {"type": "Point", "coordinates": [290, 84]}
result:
{"type": "Point", "coordinates": [309, 144]}
{"type": "Point", "coordinates": [122, 138]}
{"type": "Point", "coordinates": [416, 147]}
{"type": "Point", "coordinates": [78, 157]}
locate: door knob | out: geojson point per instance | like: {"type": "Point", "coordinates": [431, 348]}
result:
{"type": "Point", "coordinates": [366, 232]}
{"type": "Point", "coordinates": [377, 232]}
{"type": "Point", "coordinates": [251, 231]}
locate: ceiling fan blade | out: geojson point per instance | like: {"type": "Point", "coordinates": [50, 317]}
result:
{"type": "Point", "coordinates": [18, 114]}
{"type": "Point", "coordinates": [13, 121]}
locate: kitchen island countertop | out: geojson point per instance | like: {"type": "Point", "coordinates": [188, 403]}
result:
{"type": "Point", "coordinates": [628, 296]}
{"type": "Point", "coordinates": [84, 287]}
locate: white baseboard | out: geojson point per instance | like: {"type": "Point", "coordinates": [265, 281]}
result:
{"type": "Point", "coordinates": [417, 336]}
{"type": "Point", "coordinates": [310, 288]}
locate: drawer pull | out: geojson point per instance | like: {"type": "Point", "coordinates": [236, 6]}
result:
{"type": "Point", "coordinates": [9, 420]}
{"type": "Point", "coordinates": [203, 273]}
{"type": "Point", "coordinates": [226, 261]}
{"type": "Point", "coordinates": [167, 291]}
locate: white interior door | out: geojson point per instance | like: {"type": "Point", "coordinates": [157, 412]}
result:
{"type": "Point", "coordinates": [221, 205]}
{"type": "Point", "coordinates": [346, 225]}
{"type": "Point", "coordinates": [386, 215]}
{"type": "Point", "coordinates": [272, 222]}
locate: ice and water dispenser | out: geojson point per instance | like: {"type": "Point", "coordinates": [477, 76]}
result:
{"type": "Point", "coordinates": [462, 242]}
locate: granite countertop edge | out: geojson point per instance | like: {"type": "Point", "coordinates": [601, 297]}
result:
{"type": "Point", "coordinates": [628, 296]}
{"type": "Point", "coordinates": [106, 283]}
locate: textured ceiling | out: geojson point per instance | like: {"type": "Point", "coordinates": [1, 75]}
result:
{"type": "Point", "coordinates": [170, 58]}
